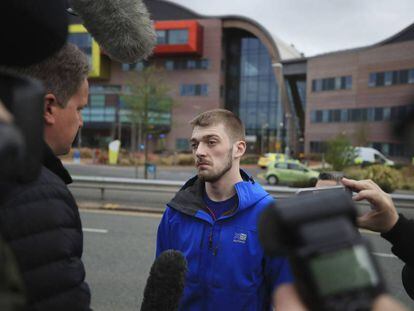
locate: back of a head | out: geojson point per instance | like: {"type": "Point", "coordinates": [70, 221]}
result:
{"type": "Point", "coordinates": [62, 73]}
{"type": "Point", "coordinates": [230, 121]}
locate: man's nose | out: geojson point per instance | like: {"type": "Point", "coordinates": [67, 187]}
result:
{"type": "Point", "coordinates": [201, 149]}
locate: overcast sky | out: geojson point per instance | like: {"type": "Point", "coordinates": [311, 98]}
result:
{"type": "Point", "coordinates": [318, 26]}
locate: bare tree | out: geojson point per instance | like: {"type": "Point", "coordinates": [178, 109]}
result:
{"type": "Point", "coordinates": [150, 104]}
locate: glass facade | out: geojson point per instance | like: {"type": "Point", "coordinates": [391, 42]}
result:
{"type": "Point", "coordinates": [251, 86]}
{"type": "Point", "coordinates": [84, 42]}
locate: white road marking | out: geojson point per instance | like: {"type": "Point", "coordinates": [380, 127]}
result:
{"type": "Point", "coordinates": [95, 230]}
{"type": "Point", "coordinates": [123, 213]}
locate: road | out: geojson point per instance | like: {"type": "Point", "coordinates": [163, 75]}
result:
{"type": "Point", "coordinates": [119, 249]}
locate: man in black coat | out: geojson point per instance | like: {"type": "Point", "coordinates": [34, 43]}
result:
{"type": "Point", "coordinates": [40, 220]}
{"type": "Point", "coordinates": [394, 227]}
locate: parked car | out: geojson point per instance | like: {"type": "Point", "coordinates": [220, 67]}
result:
{"type": "Point", "coordinates": [288, 172]}
{"type": "Point", "coordinates": [366, 155]}
{"type": "Point", "coordinates": [267, 158]}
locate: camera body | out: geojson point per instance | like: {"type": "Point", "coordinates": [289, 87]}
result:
{"type": "Point", "coordinates": [21, 141]}
{"type": "Point", "coordinates": [332, 264]}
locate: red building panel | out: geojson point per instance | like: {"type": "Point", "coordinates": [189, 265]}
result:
{"type": "Point", "coordinates": [195, 38]}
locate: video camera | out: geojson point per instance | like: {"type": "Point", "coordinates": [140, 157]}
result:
{"type": "Point", "coordinates": [21, 141]}
{"type": "Point", "coordinates": [332, 264]}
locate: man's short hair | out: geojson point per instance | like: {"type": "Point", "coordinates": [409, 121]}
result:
{"type": "Point", "coordinates": [221, 116]}
{"type": "Point", "coordinates": [62, 73]}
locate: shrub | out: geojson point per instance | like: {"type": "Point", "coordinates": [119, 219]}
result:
{"type": "Point", "coordinates": [304, 183]}
{"type": "Point", "coordinates": [185, 159]}
{"type": "Point", "coordinates": [386, 177]}
{"type": "Point", "coordinates": [249, 159]}
{"type": "Point", "coordinates": [340, 152]}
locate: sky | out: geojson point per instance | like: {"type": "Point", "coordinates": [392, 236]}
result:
{"type": "Point", "coordinates": [318, 26]}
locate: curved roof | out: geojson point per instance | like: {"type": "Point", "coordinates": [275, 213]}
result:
{"type": "Point", "coordinates": [406, 34]}
{"type": "Point", "coordinates": [164, 10]}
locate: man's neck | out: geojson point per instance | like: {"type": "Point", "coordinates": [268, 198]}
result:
{"type": "Point", "coordinates": [223, 189]}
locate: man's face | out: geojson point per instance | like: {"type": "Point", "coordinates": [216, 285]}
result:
{"type": "Point", "coordinates": [69, 120]}
{"type": "Point", "coordinates": [213, 152]}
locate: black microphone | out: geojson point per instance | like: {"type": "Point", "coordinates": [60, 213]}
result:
{"type": "Point", "coordinates": [121, 27]}
{"type": "Point", "coordinates": [31, 31]}
{"type": "Point", "coordinates": [165, 283]}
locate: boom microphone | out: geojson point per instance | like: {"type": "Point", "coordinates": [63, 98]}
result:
{"type": "Point", "coordinates": [121, 27]}
{"type": "Point", "coordinates": [165, 283]}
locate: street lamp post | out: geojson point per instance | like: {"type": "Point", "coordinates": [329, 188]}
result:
{"type": "Point", "coordinates": [264, 126]}
{"type": "Point", "coordinates": [279, 101]}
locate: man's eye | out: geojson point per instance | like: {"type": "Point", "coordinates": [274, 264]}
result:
{"type": "Point", "coordinates": [194, 146]}
{"type": "Point", "coordinates": [212, 142]}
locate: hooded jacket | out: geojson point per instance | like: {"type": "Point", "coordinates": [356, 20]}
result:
{"type": "Point", "coordinates": [227, 268]}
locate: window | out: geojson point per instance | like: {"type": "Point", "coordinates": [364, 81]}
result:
{"type": "Point", "coordinates": [182, 144]}
{"type": "Point", "coordinates": [181, 64]}
{"type": "Point", "coordinates": [169, 64]}
{"type": "Point", "coordinates": [378, 114]}
{"type": "Point", "coordinates": [293, 166]}
{"type": "Point", "coordinates": [380, 79]}
{"type": "Point", "coordinates": [281, 165]}
{"type": "Point", "coordinates": [344, 115]}
{"type": "Point", "coordinates": [177, 36]}
{"type": "Point", "coordinates": [97, 100]}
{"type": "Point", "coordinates": [348, 82]}
{"type": "Point", "coordinates": [317, 146]}
{"type": "Point", "coordinates": [331, 84]}
{"type": "Point", "coordinates": [172, 36]}
{"type": "Point", "coordinates": [372, 80]}
{"type": "Point", "coordinates": [411, 76]}
{"type": "Point", "coordinates": [139, 66]}
{"type": "Point", "coordinates": [161, 37]}
{"type": "Point", "coordinates": [403, 77]}
{"type": "Point", "coordinates": [389, 78]}
{"type": "Point", "coordinates": [194, 90]}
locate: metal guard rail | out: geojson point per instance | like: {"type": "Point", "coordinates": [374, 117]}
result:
{"type": "Point", "coordinates": [170, 186]}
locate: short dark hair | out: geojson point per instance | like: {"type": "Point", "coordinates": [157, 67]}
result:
{"type": "Point", "coordinates": [221, 116]}
{"type": "Point", "coordinates": [62, 73]}
{"type": "Point", "coordinates": [326, 176]}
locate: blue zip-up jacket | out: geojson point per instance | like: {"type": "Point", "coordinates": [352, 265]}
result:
{"type": "Point", "coordinates": [227, 268]}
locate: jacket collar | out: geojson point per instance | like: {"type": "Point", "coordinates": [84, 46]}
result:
{"type": "Point", "coordinates": [189, 200]}
{"type": "Point", "coordinates": [53, 163]}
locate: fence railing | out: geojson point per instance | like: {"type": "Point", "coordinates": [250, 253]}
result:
{"type": "Point", "coordinates": [154, 185]}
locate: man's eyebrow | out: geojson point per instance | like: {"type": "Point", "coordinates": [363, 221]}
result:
{"type": "Point", "coordinates": [205, 137]}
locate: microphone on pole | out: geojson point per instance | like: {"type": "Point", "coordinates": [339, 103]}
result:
{"type": "Point", "coordinates": [121, 27]}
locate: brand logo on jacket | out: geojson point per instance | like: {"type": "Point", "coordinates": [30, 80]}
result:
{"type": "Point", "coordinates": [240, 238]}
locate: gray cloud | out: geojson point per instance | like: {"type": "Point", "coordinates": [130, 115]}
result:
{"type": "Point", "coordinates": [320, 26]}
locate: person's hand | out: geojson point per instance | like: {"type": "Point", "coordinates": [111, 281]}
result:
{"type": "Point", "coordinates": [386, 303]}
{"type": "Point", "coordinates": [383, 215]}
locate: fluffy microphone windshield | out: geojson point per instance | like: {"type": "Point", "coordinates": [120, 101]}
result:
{"type": "Point", "coordinates": [165, 283]}
{"type": "Point", "coordinates": [121, 27]}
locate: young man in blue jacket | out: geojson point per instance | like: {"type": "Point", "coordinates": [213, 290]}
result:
{"type": "Point", "coordinates": [213, 219]}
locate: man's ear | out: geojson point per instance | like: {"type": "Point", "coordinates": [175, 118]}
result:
{"type": "Point", "coordinates": [239, 148]}
{"type": "Point", "coordinates": [51, 105]}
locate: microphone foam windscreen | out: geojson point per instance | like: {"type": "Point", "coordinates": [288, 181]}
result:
{"type": "Point", "coordinates": [121, 27]}
{"type": "Point", "coordinates": [165, 283]}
